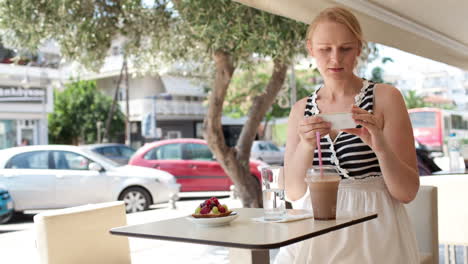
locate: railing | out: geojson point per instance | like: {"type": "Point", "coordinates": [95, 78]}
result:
{"type": "Point", "coordinates": [170, 107]}
{"type": "Point", "coordinates": [140, 107]}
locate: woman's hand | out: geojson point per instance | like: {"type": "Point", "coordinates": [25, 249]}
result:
{"type": "Point", "coordinates": [371, 131]}
{"type": "Point", "coordinates": [308, 126]}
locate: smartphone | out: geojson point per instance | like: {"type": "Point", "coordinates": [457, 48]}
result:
{"type": "Point", "coordinates": [339, 120]}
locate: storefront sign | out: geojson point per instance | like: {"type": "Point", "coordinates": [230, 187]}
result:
{"type": "Point", "coordinates": [20, 94]}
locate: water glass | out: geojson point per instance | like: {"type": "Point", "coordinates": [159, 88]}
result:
{"type": "Point", "coordinates": [273, 193]}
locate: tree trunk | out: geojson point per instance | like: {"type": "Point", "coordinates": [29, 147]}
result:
{"type": "Point", "coordinates": [265, 126]}
{"type": "Point", "coordinates": [235, 161]}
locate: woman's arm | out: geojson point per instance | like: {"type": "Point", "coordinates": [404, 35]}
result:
{"type": "Point", "coordinates": [300, 146]}
{"type": "Point", "coordinates": [389, 133]}
{"type": "Point", "coordinates": [397, 159]}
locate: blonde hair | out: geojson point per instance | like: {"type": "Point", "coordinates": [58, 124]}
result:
{"type": "Point", "coordinates": [339, 15]}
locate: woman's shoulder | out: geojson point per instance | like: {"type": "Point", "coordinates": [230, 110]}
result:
{"type": "Point", "coordinates": [386, 90]}
{"type": "Point", "coordinates": [301, 104]}
{"type": "Point", "coordinates": [388, 97]}
{"type": "Point", "coordinates": [298, 109]}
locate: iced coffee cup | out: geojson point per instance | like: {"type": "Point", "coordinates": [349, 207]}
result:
{"type": "Point", "coordinates": [323, 189]}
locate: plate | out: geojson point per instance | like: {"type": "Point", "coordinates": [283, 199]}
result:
{"type": "Point", "coordinates": [215, 221]}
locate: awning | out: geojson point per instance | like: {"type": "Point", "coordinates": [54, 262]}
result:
{"type": "Point", "coordinates": [434, 29]}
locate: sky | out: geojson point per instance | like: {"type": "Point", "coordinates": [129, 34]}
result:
{"type": "Point", "coordinates": [404, 63]}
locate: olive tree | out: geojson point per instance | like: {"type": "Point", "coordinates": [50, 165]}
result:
{"type": "Point", "coordinates": [220, 35]}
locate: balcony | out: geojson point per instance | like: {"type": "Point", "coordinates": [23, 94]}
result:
{"type": "Point", "coordinates": [165, 109]}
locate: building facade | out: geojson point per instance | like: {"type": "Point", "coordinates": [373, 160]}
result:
{"type": "Point", "coordinates": [160, 106]}
{"type": "Point", "coordinates": [26, 98]}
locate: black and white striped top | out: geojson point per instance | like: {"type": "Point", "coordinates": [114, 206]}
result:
{"type": "Point", "coordinates": [348, 153]}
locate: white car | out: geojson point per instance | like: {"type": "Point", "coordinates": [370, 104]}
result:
{"type": "Point", "coordinates": [266, 151]}
{"type": "Point", "coordinates": [58, 176]}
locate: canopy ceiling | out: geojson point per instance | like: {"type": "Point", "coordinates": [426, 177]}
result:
{"type": "Point", "coordinates": [432, 28]}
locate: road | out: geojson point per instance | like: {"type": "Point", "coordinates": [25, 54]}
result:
{"type": "Point", "coordinates": [17, 239]}
{"type": "Point", "coordinates": [25, 221]}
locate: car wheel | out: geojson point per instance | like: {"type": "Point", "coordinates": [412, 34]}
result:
{"type": "Point", "coordinates": [136, 199]}
{"type": "Point", "coordinates": [7, 217]}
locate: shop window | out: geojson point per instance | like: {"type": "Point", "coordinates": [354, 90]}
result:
{"type": "Point", "coordinates": [174, 134]}
{"type": "Point", "coordinates": [7, 133]}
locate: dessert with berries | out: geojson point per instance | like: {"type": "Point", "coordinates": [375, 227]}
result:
{"type": "Point", "coordinates": [211, 208]}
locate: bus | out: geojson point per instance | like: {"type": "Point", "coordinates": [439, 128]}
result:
{"type": "Point", "coordinates": [432, 126]}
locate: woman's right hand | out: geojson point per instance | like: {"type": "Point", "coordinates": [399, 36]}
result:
{"type": "Point", "coordinates": [308, 126]}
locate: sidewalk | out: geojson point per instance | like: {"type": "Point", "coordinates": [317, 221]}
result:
{"type": "Point", "coordinates": [19, 247]}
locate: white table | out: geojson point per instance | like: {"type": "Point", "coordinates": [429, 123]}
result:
{"type": "Point", "coordinates": [248, 241]}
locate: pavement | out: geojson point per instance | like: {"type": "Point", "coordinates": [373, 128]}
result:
{"type": "Point", "coordinates": [17, 240]}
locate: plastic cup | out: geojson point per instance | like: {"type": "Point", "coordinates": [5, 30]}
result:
{"type": "Point", "coordinates": [323, 191]}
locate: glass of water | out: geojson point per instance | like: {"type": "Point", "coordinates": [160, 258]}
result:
{"type": "Point", "coordinates": [273, 193]}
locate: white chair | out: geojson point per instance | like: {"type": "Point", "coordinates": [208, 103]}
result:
{"type": "Point", "coordinates": [422, 212]}
{"type": "Point", "coordinates": [81, 235]}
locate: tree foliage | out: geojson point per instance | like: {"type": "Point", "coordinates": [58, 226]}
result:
{"type": "Point", "coordinates": [412, 100]}
{"type": "Point", "coordinates": [77, 109]}
{"type": "Point", "coordinates": [83, 29]}
{"type": "Point", "coordinates": [247, 84]}
{"type": "Point", "coordinates": [221, 35]}
{"type": "Point", "coordinates": [377, 73]}
{"type": "Point", "coordinates": [223, 25]}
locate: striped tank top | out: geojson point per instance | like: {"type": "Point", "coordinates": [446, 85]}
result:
{"type": "Point", "coordinates": [348, 153]}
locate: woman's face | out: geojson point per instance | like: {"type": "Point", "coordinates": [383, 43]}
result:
{"type": "Point", "coordinates": [335, 49]}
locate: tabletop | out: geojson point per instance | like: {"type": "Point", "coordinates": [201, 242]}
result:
{"type": "Point", "coordinates": [243, 232]}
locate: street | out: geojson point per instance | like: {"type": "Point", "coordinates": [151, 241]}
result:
{"type": "Point", "coordinates": [17, 241]}
{"type": "Point", "coordinates": [25, 221]}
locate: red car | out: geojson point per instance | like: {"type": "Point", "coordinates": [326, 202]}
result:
{"type": "Point", "coordinates": [190, 161]}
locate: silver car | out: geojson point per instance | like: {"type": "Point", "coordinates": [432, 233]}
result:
{"type": "Point", "coordinates": [57, 176]}
{"type": "Point", "coordinates": [119, 153]}
{"type": "Point", "coordinates": [266, 151]}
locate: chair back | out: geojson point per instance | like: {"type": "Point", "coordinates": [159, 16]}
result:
{"type": "Point", "coordinates": [422, 212]}
{"type": "Point", "coordinates": [81, 235]}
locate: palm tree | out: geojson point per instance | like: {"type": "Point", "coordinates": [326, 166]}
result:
{"type": "Point", "coordinates": [412, 100]}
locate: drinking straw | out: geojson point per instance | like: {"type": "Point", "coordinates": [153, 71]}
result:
{"type": "Point", "coordinates": [319, 150]}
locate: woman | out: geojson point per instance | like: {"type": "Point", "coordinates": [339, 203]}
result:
{"type": "Point", "coordinates": [376, 160]}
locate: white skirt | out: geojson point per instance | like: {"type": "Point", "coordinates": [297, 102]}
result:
{"type": "Point", "coordinates": [387, 239]}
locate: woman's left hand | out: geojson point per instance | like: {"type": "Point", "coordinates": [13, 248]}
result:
{"type": "Point", "coordinates": [371, 131]}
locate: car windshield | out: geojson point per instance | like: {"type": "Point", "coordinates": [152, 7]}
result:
{"type": "Point", "coordinates": [107, 163]}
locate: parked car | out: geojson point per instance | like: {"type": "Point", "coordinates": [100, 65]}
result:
{"type": "Point", "coordinates": [6, 205]}
{"type": "Point", "coordinates": [57, 176]}
{"type": "Point", "coordinates": [190, 161]}
{"type": "Point", "coordinates": [119, 153]}
{"type": "Point", "coordinates": [267, 151]}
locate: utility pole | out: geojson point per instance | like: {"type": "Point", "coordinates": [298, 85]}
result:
{"type": "Point", "coordinates": [99, 128]}
{"type": "Point", "coordinates": [127, 107]}
{"type": "Point", "coordinates": [114, 102]}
